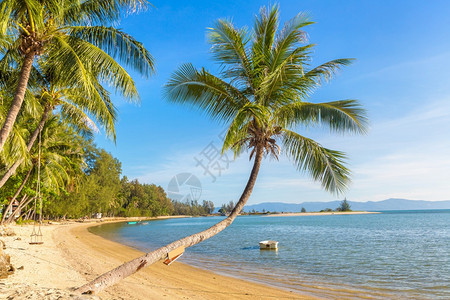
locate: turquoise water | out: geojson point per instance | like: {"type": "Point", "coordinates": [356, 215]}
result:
{"type": "Point", "coordinates": [384, 256]}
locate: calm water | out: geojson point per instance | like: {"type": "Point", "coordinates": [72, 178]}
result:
{"type": "Point", "coordinates": [390, 255]}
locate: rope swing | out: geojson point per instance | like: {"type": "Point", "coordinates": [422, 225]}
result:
{"type": "Point", "coordinates": [36, 235]}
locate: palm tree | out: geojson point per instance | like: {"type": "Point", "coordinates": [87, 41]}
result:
{"type": "Point", "coordinates": [261, 94]}
{"type": "Point", "coordinates": [59, 158]}
{"type": "Point", "coordinates": [73, 37]}
{"type": "Point", "coordinates": [75, 107]}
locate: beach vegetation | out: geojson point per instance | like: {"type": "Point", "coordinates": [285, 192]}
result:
{"type": "Point", "coordinates": [192, 208]}
{"type": "Point", "coordinates": [326, 210]}
{"type": "Point", "coordinates": [79, 180]}
{"type": "Point", "coordinates": [262, 95]}
{"type": "Point", "coordinates": [58, 62]}
{"type": "Point", "coordinates": [344, 206]}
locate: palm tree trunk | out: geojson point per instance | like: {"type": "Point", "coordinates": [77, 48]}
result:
{"type": "Point", "coordinates": [25, 214]}
{"type": "Point", "coordinates": [18, 98]}
{"type": "Point", "coordinates": [131, 267]}
{"type": "Point", "coordinates": [16, 194]}
{"type": "Point", "coordinates": [30, 144]}
{"type": "Point", "coordinates": [25, 201]}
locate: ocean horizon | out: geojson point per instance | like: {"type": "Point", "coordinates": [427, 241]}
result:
{"type": "Point", "coordinates": [394, 254]}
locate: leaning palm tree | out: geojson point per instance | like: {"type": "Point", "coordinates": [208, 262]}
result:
{"type": "Point", "coordinates": [261, 94]}
{"type": "Point", "coordinates": [74, 37]}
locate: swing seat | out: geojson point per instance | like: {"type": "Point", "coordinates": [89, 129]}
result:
{"type": "Point", "coordinates": [174, 255]}
{"type": "Point", "coordinates": [36, 240]}
{"type": "Point", "coordinates": [35, 243]}
{"type": "Point", "coordinates": [36, 237]}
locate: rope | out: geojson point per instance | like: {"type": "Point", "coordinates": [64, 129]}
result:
{"type": "Point", "coordinates": [39, 180]}
{"type": "Point", "coordinates": [36, 237]}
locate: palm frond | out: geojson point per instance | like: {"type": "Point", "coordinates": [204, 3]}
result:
{"type": "Point", "coordinates": [118, 44]}
{"type": "Point", "coordinates": [265, 28]}
{"type": "Point", "coordinates": [6, 10]}
{"type": "Point", "coordinates": [105, 68]}
{"type": "Point", "coordinates": [282, 79]}
{"type": "Point", "coordinates": [79, 120]}
{"type": "Point", "coordinates": [326, 71]}
{"type": "Point", "coordinates": [289, 38]}
{"type": "Point", "coordinates": [204, 91]}
{"type": "Point", "coordinates": [237, 137]}
{"type": "Point", "coordinates": [67, 66]}
{"type": "Point", "coordinates": [324, 165]}
{"type": "Point", "coordinates": [341, 116]}
{"type": "Point", "coordinates": [94, 11]}
{"type": "Point", "coordinates": [229, 48]}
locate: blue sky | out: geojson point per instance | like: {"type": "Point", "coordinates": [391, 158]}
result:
{"type": "Point", "coordinates": [401, 77]}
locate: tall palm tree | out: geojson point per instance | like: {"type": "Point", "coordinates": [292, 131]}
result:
{"type": "Point", "coordinates": [261, 94]}
{"type": "Point", "coordinates": [73, 37]}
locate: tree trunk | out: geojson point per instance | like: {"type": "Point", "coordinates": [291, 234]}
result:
{"type": "Point", "coordinates": [131, 267]}
{"type": "Point", "coordinates": [17, 193]}
{"type": "Point", "coordinates": [25, 214]}
{"type": "Point", "coordinates": [30, 144]}
{"type": "Point", "coordinates": [29, 214]}
{"type": "Point", "coordinates": [25, 200]}
{"type": "Point", "coordinates": [18, 98]}
{"type": "Point", "coordinates": [24, 204]}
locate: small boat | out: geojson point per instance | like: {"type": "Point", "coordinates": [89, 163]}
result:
{"type": "Point", "coordinates": [268, 245]}
{"type": "Point", "coordinates": [132, 222]}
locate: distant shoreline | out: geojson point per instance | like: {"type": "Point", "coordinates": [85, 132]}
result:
{"type": "Point", "coordinates": [323, 213]}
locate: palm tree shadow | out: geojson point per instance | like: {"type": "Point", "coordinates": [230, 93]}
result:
{"type": "Point", "coordinates": [250, 248]}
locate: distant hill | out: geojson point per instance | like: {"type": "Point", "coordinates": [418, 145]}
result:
{"type": "Point", "coordinates": [389, 204]}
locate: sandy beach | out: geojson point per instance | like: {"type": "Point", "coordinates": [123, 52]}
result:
{"type": "Point", "coordinates": [71, 255]}
{"type": "Point", "coordinates": [323, 213]}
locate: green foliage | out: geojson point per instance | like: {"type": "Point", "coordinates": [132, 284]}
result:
{"type": "Point", "coordinates": [138, 199]}
{"type": "Point", "coordinates": [344, 206]}
{"type": "Point", "coordinates": [225, 209]}
{"type": "Point", "coordinates": [303, 210]}
{"type": "Point", "coordinates": [326, 210]}
{"type": "Point", "coordinates": [103, 191]}
{"type": "Point", "coordinates": [193, 208]}
{"type": "Point", "coordinates": [74, 44]}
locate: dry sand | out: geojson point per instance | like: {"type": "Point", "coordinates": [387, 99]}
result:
{"type": "Point", "coordinates": [70, 256]}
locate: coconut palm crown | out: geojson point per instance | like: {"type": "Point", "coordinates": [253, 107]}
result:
{"type": "Point", "coordinates": [262, 91]}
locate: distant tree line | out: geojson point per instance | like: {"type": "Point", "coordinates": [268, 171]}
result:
{"type": "Point", "coordinates": [343, 206]}
{"type": "Point", "coordinates": [192, 208]}
{"type": "Point", "coordinates": [94, 186]}
{"type": "Point", "coordinates": [102, 190]}
{"type": "Point", "coordinates": [225, 209]}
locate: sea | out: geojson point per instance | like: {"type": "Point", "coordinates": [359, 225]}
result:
{"type": "Point", "coordinates": [390, 255]}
